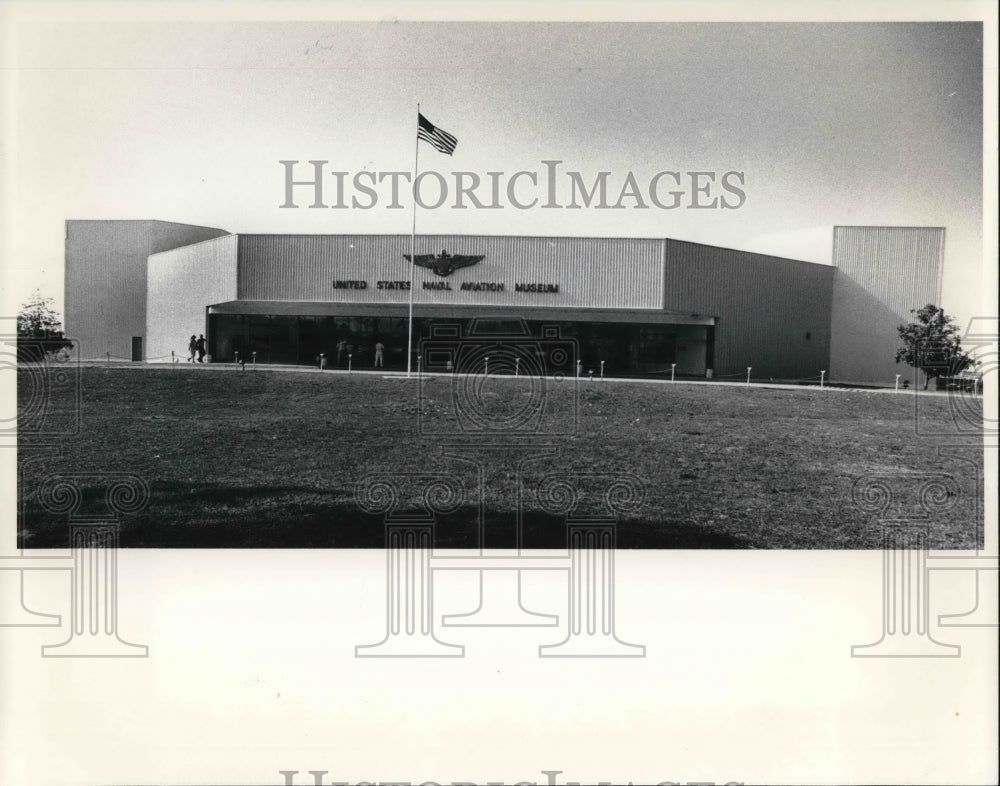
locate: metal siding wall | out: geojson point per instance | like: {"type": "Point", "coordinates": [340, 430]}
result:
{"type": "Point", "coordinates": [182, 284]}
{"type": "Point", "coordinates": [105, 275]}
{"type": "Point", "coordinates": [882, 273]}
{"type": "Point", "coordinates": [105, 285]}
{"type": "Point", "coordinates": [591, 272]}
{"type": "Point", "coordinates": [765, 306]}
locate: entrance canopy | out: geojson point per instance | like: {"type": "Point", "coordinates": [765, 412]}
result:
{"type": "Point", "coordinates": [349, 335]}
{"type": "Point", "coordinates": [300, 308]}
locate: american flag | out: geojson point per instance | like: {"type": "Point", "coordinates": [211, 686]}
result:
{"type": "Point", "coordinates": [438, 138]}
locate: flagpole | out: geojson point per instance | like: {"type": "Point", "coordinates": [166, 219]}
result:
{"type": "Point", "coordinates": [413, 247]}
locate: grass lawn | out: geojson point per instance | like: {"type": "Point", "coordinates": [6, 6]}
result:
{"type": "Point", "coordinates": [272, 459]}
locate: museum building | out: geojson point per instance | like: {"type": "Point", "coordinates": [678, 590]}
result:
{"type": "Point", "coordinates": [138, 290]}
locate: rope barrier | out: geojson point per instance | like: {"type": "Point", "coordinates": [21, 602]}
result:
{"type": "Point", "coordinates": [592, 373]}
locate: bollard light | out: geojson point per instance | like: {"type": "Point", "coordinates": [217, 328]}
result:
{"type": "Point", "coordinates": [822, 376]}
{"type": "Point", "coordinates": [486, 366]}
{"type": "Point", "coordinates": [517, 367]}
{"type": "Point", "coordinates": [897, 382]}
{"type": "Point", "coordinates": [253, 365]}
{"type": "Point", "coordinates": [590, 371]}
{"type": "Point", "coordinates": [602, 369]}
{"type": "Point", "coordinates": [748, 374]}
{"type": "Point", "coordinates": [322, 360]}
{"type": "Point", "coordinates": [349, 356]}
{"type": "Point", "coordinates": [419, 358]}
{"type": "Point", "coordinates": [672, 367]}
{"type": "Point", "coordinates": [578, 364]}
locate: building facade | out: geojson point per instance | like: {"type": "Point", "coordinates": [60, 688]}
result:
{"type": "Point", "coordinates": [642, 307]}
{"type": "Point", "coordinates": [882, 273]}
{"type": "Point", "coordinates": [106, 281]}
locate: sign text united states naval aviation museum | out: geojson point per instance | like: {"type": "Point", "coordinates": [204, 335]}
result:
{"type": "Point", "coordinates": [465, 286]}
{"type": "Point", "coordinates": [443, 265]}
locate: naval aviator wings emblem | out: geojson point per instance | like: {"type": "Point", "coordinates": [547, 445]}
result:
{"type": "Point", "coordinates": [444, 264]}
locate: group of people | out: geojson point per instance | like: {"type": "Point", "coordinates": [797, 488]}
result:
{"type": "Point", "coordinates": [196, 346]}
{"type": "Point", "coordinates": [196, 349]}
{"type": "Point", "coordinates": [344, 348]}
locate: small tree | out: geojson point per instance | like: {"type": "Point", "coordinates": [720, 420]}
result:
{"type": "Point", "coordinates": [39, 329]}
{"type": "Point", "coordinates": [931, 342]}
{"type": "Point", "coordinates": [37, 318]}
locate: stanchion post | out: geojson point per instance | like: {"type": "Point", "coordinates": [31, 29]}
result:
{"type": "Point", "coordinates": [486, 365]}
{"type": "Point", "coordinates": [897, 383]}
{"type": "Point", "coordinates": [672, 367]}
{"type": "Point", "coordinates": [419, 358]}
{"type": "Point", "coordinates": [748, 374]}
{"type": "Point", "coordinates": [602, 369]}
{"type": "Point", "coordinates": [322, 361]}
{"type": "Point", "coordinates": [822, 379]}
{"type": "Point", "coordinates": [349, 356]}
{"type": "Point", "coordinates": [579, 363]}
{"type": "Point", "coordinates": [254, 360]}
{"type": "Point", "coordinates": [517, 367]}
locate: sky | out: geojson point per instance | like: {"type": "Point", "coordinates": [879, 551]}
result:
{"type": "Point", "coordinates": [187, 121]}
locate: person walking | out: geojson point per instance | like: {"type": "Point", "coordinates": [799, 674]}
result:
{"type": "Point", "coordinates": [192, 348]}
{"type": "Point", "coordinates": [200, 345]}
{"type": "Point", "coordinates": [379, 347]}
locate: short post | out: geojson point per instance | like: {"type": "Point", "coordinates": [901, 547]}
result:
{"type": "Point", "coordinates": [822, 379]}
{"type": "Point", "coordinates": [173, 360]}
{"type": "Point", "coordinates": [253, 365]}
{"type": "Point", "coordinates": [109, 360]}
{"type": "Point", "coordinates": [349, 356]}
{"type": "Point", "coordinates": [578, 364]}
{"type": "Point", "coordinates": [602, 369]}
{"type": "Point", "coordinates": [748, 374]}
{"type": "Point", "coordinates": [897, 383]}
{"type": "Point", "coordinates": [419, 358]}
{"type": "Point", "coordinates": [486, 365]}
{"type": "Point", "coordinates": [672, 367]}
{"type": "Point", "coordinates": [590, 371]}
{"type": "Point", "coordinates": [322, 360]}
{"type": "Point", "coordinates": [517, 367]}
